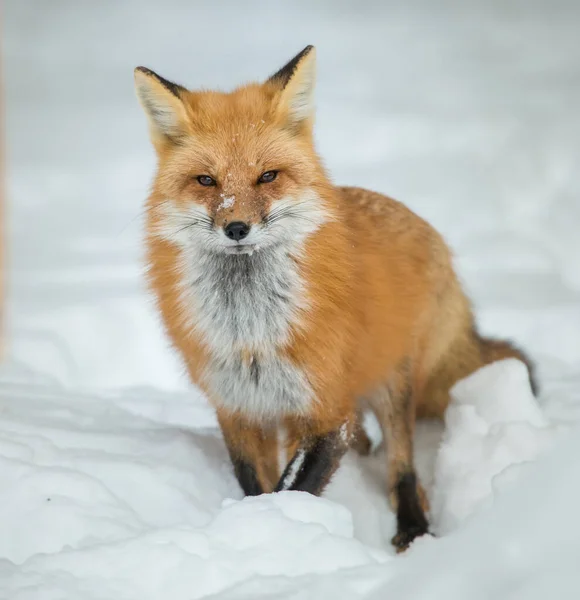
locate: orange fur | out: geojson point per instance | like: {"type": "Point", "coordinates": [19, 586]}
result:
{"type": "Point", "coordinates": [385, 309]}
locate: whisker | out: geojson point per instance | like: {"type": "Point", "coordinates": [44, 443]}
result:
{"type": "Point", "coordinates": [184, 228]}
{"type": "Point", "coordinates": [203, 224]}
{"type": "Point", "coordinates": [287, 207]}
{"type": "Point", "coordinates": [294, 209]}
{"type": "Point", "coordinates": [289, 214]}
{"type": "Point", "coordinates": [141, 213]}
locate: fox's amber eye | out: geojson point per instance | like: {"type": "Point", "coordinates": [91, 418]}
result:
{"type": "Point", "coordinates": [268, 177]}
{"type": "Point", "coordinates": [206, 180]}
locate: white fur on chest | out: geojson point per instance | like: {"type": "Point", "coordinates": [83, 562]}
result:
{"type": "Point", "coordinates": [246, 305]}
{"type": "Point", "coordinates": [265, 388]}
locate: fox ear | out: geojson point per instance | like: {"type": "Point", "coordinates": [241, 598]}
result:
{"type": "Point", "coordinates": [296, 80]}
{"type": "Point", "coordinates": [162, 103]}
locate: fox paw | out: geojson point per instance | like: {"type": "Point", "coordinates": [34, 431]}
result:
{"type": "Point", "coordinates": [403, 539]}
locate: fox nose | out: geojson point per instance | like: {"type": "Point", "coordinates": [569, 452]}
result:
{"type": "Point", "coordinates": [237, 230]}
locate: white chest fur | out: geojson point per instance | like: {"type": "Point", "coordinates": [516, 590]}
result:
{"type": "Point", "coordinates": [244, 306]}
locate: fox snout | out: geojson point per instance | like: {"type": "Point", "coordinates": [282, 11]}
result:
{"type": "Point", "coordinates": [237, 230]}
{"type": "Point", "coordinates": [239, 223]}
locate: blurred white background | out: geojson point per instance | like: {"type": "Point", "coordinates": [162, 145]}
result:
{"type": "Point", "coordinates": [465, 110]}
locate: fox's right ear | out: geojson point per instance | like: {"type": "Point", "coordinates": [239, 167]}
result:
{"type": "Point", "coordinates": [162, 103]}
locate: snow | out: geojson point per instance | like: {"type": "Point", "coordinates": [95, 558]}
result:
{"type": "Point", "coordinates": [227, 202]}
{"type": "Point", "coordinates": [98, 501]}
{"type": "Point", "coordinates": [114, 479]}
{"type": "Point", "coordinates": [493, 426]}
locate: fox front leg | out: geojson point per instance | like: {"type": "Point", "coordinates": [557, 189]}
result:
{"type": "Point", "coordinates": [315, 460]}
{"type": "Point", "coordinates": [253, 452]}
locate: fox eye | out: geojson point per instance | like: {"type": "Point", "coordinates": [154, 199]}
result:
{"type": "Point", "coordinates": [206, 180]}
{"type": "Point", "coordinates": [268, 177]}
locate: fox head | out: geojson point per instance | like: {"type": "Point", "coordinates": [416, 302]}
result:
{"type": "Point", "coordinates": [237, 172]}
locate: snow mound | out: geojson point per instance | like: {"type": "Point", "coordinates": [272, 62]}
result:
{"type": "Point", "coordinates": [106, 496]}
{"type": "Point", "coordinates": [493, 426]}
{"type": "Point", "coordinates": [131, 495]}
{"type": "Point", "coordinates": [289, 534]}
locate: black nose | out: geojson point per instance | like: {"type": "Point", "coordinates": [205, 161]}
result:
{"type": "Point", "coordinates": [237, 230]}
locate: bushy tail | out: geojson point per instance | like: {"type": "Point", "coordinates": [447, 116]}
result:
{"type": "Point", "coordinates": [467, 354]}
{"type": "Point", "coordinates": [493, 350]}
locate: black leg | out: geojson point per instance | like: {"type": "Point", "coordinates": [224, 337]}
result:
{"type": "Point", "coordinates": [395, 408]}
{"type": "Point", "coordinates": [247, 477]}
{"type": "Point", "coordinates": [253, 452]}
{"type": "Point", "coordinates": [314, 463]}
{"type": "Point", "coordinates": [411, 520]}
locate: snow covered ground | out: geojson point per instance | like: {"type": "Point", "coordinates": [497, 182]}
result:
{"type": "Point", "coordinates": [114, 482]}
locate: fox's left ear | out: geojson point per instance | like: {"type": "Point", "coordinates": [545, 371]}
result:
{"type": "Point", "coordinates": [296, 80]}
{"type": "Point", "coordinates": [163, 105]}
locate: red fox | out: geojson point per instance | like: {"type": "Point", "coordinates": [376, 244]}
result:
{"type": "Point", "coordinates": [294, 303]}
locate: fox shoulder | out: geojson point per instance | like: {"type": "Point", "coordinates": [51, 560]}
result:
{"type": "Point", "coordinates": [387, 217]}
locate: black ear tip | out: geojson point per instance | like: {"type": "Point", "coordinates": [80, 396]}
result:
{"type": "Point", "coordinates": [174, 88]}
{"type": "Point", "coordinates": [284, 75]}
{"type": "Point", "coordinates": [304, 52]}
{"type": "Point", "coordinates": [143, 70]}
